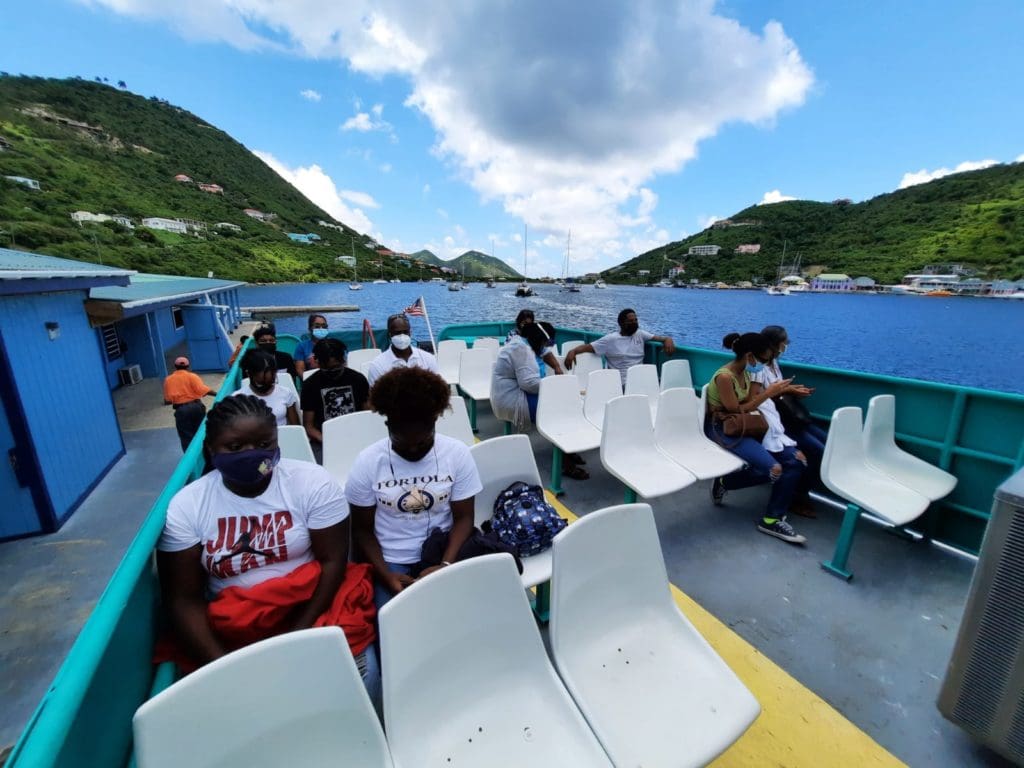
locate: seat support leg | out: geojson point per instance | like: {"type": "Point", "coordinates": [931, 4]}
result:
{"type": "Point", "coordinates": [542, 602]}
{"type": "Point", "coordinates": [472, 414]}
{"type": "Point", "coordinates": [630, 495]}
{"type": "Point", "coordinates": [556, 471]}
{"type": "Point", "coordinates": [506, 428]}
{"type": "Point", "coordinates": [837, 565]}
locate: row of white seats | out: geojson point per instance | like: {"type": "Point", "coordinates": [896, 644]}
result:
{"type": "Point", "coordinates": [629, 680]}
{"type": "Point", "coordinates": [356, 359]}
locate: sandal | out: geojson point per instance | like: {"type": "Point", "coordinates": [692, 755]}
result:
{"type": "Point", "coordinates": [576, 472]}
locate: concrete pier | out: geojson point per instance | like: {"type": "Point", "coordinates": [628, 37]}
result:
{"type": "Point", "coordinates": [286, 311]}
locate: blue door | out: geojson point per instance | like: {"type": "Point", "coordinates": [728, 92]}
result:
{"type": "Point", "coordinates": [17, 512]}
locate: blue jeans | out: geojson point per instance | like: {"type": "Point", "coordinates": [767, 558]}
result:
{"type": "Point", "coordinates": [812, 442]}
{"type": "Point", "coordinates": [759, 463]}
{"type": "Point", "coordinates": [369, 671]}
{"type": "Point", "coordinates": [531, 402]}
{"type": "Point", "coordinates": [381, 594]}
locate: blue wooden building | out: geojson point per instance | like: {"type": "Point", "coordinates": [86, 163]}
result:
{"type": "Point", "coordinates": [58, 429]}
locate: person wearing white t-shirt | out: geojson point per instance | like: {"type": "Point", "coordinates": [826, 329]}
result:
{"type": "Point", "coordinates": [400, 353]}
{"type": "Point", "coordinates": [624, 348]}
{"type": "Point", "coordinates": [282, 401]}
{"type": "Point", "coordinates": [253, 518]}
{"type": "Point", "coordinates": [413, 481]}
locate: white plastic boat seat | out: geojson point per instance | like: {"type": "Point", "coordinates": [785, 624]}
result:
{"type": "Point", "coordinates": [346, 436]}
{"type": "Point", "coordinates": [643, 380]}
{"type": "Point", "coordinates": [357, 358]}
{"type": "Point", "coordinates": [676, 373]}
{"type": "Point", "coordinates": [845, 472]}
{"type": "Point", "coordinates": [488, 342]}
{"type": "Point", "coordinates": [702, 412]}
{"type": "Point", "coordinates": [475, 367]}
{"type": "Point", "coordinates": [455, 422]}
{"type": "Point", "coordinates": [584, 364]}
{"type": "Point", "coordinates": [502, 461]}
{"type": "Point", "coordinates": [301, 690]}
{"type": "Point", "coordinates": [604, 384]}
{"type": "Point", "coordinates": [630, 453]}
{"type": "Point", "coordinates": [571, 344]}
{"type": "Point", "coordinates": [652, 689]}
{"type": "Point", "coordinates": [883, 454]}
{"type": "Point", "coordinates": [467, 681]}
{"type": "Point", "coordinates": [294, 443]}
{"type": "Point", "coordinates": [560, 418]}
{"type": "Point", "coordinates": [680, 436]}
{"type": "Point", "coordinates": [448, 352]}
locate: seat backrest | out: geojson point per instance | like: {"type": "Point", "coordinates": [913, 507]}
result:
{"type": "Point", "coordinates": [294, 443]}
{"type": "Point", "coordinates": [627, 433]}
{"type": "Point", "coordinates": [346, 436]}
{"type": "Point", "coordinates": [448, 352]}
{"type": "Point", "coordinates": [604, 384]}
{"type": "Point", "coordinates": [488, 342]}
{"type": "Point", "coordinates": [454, 422]}
{"type": "Point", "coordinates": [844, 449]}
{"type": "Point", "coordinates": [642, 380]}
{"type": "Point", "coordinates": [589, 589]}
{"type": "Point", "coordinates": [703, 410]}
{"type": "Point", "coordinates": [880, 429]}
{"type": "Point", "coordinates": [475, 366]}
{"type": "Point", "coordinates": [584, 364]}
{"type": "Point", "coordinates": [501, 461]}
{"type": "Point", "coordinates": [476, 614]}
{"type": "Point", "coordinates": [357, 358]}
{"type": "Point", "coordinates": [676, 373]}
{"type": "Point", "coordinates": [302, 689]}
{"type": "Point", "coordinates": [677, 420]}
{"type": "Point", "coordinates": [558, 402]}
{"type": "Point", "coordinates": [567, 345]}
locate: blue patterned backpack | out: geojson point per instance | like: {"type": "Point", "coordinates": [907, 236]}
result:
{"type": "Point", "coordinates": [524, 520]}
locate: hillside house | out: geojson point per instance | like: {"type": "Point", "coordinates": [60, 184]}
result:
{"type": "Point", "coordinates": [675, 272]}
{"type": "Point", "coordinates": [86, 216]}
{"type": "Point", "coordinates": [5, 145]}
{"type": "Point", "coordinates": [348, 261]}
{"type": "Point", "coordinates": [832, 282]}
{"type": "Point", "coordinates": [166, 225]}
{"type": "Point", "coordinates": [703, 250]}
{"type": "Point", "coordinates": [193, 225]}
{"type": "Point", "coordinates": [124, 221]}
{"type": "Point", "coordinates": [307, 239]}
{"type": "Point", "coordinates": [748, 248]}
{"type": "Point", "coordinates": [228, 226]}
{"type": "Point", "coordinates": [329, 225]}
{"type": "Point", "coordinates": [182, 178]}
{"type": "Point", "coordinates": [259, 215]}
{"type": "Point", "coordinates": [213, 189]}
{"type": "Point", "coordinates": [25, 182]}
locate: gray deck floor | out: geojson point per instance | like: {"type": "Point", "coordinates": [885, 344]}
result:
{"type": "Point", "coordinates": [876, 649]}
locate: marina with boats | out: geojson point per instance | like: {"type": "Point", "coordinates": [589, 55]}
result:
{"type": "Point", "coordinates": [845, 673]}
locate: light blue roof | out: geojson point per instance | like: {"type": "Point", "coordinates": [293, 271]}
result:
{"type": "Point", "coordinates": [21, 265]}
{"type": "Point", "coordinates": [147, 289]}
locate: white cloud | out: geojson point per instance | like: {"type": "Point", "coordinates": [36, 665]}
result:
{"type": "Point", "coordinates": [1019, 159]}
{"type": "Point", "coordinates": [442, 213]}
{"type": "Point", "coordinates": [426, 189]}
{"type": "Point", "coordinates": [364, 123]}
{"type": "Point", "coordinates": [703, 222]}
{"type": "Point", "coordinates": [920, 177]}
{"type": "Point", "coordinates": [774, 196]}
{"type": "Point", "coordinates": [310, 95]}
{"type": "Point", "coordinates": [385, 167]}
{"type": "Point", "coordinates": [358, 198]}
{"type": "Point", "coordinates": [593, 113]}
{"type": "Point", "coordinates": [321, 190]}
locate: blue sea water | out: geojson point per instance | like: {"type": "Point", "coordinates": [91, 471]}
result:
{"type": "Point", "coordinates": [968, 341]}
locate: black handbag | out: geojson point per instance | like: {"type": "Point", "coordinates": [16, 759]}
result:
{"type": "Point", "coordinates": [794, 414]}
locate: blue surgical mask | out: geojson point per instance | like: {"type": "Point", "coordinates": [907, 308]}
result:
{"type": "Point", "coordinates": [319, 333]}
{"type": "Point", "coordinates": [756, 368]}
{"type": "Point", "coordinates": [247, 468]}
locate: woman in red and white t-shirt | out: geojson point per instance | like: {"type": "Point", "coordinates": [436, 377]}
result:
{"type": "Point", "coordinates": [263, 530]}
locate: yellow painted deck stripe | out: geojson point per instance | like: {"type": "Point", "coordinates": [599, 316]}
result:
{"type": "Point", "coordinates": [796, 727]}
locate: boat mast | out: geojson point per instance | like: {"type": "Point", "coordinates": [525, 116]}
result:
{"type": "Point", "coordinates": [525, 239]}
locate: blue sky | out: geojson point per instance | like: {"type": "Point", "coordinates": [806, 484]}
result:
{"type": "Point", "coordinates": [450, 126]}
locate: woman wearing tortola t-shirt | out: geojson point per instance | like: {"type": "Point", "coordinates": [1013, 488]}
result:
{"type": "Point", "coordinates": [259, 531]}
{"type": "Point", "coordinates": [402, 487]}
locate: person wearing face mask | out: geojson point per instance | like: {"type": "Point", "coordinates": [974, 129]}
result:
{"type": "Point", "coordinates": [262, 383]}
{"type": "Point", "coordinates": [549, 358]}
{"type": "Point", "coordinates": [333, 390]}
{"type": "Point", "coordinates": [809, 437]}
{"type": "Point", "coordinates": [303, 354]}
{"type": "Point", "coordinates": [730, 392]}
{"type": "Point", "coordinates": [400, 352]}
{"type": "Point", "coordinates": [623, 348]}
{"type": "Point", "coordinates": [257, 547]}
{"type": "Point", "coordinates": [265, 338]}
{"type": "Point", "coordinates": [408, 484]}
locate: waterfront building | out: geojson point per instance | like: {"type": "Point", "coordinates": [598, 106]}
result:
{"type": "Point", "coordinates": [832, 282]}
{"type": "Point", "coordinates": [864, 284]}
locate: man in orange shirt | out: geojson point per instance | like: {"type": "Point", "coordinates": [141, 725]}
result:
{"type": "Point", "coordinates": [185, 391]}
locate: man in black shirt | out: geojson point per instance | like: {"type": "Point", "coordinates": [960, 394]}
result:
{"type": "Point", "coordinates": [333, 390]}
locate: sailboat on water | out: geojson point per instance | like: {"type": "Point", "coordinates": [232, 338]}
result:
{"type": "Point", "coordinates": [524, 289]}
{"type": "Point", "coordinates": [568, 284]}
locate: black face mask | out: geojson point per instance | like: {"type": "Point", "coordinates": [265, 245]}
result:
{"type": "Point", "coordinates": [332, 373]}
{"type": "Point", "coordinates": [269, 346]}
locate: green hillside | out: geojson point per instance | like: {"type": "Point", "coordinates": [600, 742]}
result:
{"type": "Point", "coordinates": [477, 265]}
{"type": "Point", "coordinates": [974, 218]}
{"type": "Point", "coordinates": [122, 157]}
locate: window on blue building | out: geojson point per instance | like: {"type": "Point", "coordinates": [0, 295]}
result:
{"type": "Point", "coordinates": [112, 344]}
{"type": "Point", "coordinates": [178, 317]}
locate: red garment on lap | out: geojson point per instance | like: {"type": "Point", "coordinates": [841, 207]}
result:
{"type": "Point", "coordinates": [241, 616]}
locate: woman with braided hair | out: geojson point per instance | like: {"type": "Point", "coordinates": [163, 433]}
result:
{"type": "Point", "coordinates": [413, 481]}
{"type": "Point", "coordinates": [259, 546]}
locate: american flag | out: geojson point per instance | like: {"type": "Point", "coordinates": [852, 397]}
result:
{"type": "Point", "coordinates": [416, 308]}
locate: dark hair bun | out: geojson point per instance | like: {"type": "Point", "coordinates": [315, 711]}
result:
{"type": "Point", "coordinates": [729, 340]}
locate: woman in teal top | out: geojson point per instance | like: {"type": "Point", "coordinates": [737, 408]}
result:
{"type": "Point", "coordinates": [729, 392]}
